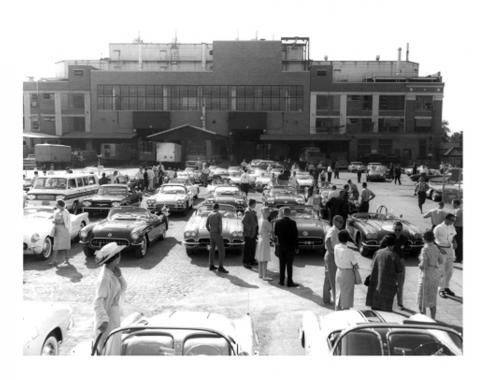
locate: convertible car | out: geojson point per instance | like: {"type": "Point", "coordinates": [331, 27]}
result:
{"type": "Point", "coordinates": [377, 333]}
{"type": "Point", "coordinates": [311, 229]}
{"type": "Point", "coordinates": [188, 183]}
{"type": "Point", "coordinates": [229, 195]}
{"type": "Point", "coordinates": [304, 179]}
{"type": "Point", "coordinates": [367, 229]}
{"type": "Point", "coordinates": [134, 227]}
{"type": "Point", "coordinates": [280, 196]}
{"type": "Point", "coordinates": [182, 333]}
{"type": "Point", "coordinates": [197, 237]}
{"type": "Point", "coordinates": [109, 196]}
{"type": "Point", "coordinates": [175, 197]}
{"type": "Point", "coordinates": [44, 326]}
{"type": "Point", "coordinates": [37, 228]}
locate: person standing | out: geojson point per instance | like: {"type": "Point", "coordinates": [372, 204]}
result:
{"type": "Point", "coordinates": [336, 171]}
{"type": "Point", "coordinates": [458, 212]}
{"type": "Point", "coordinates": [244, 182]}
{"type": "Point", "coordinates": [366, 195]}
{"type": "Point", "coordinates": [359, 175]}
{"type": "Point", "coordinates": [62, 225]}
{"type": "Point", "coordinates": [214, 227]}
{"type": "Point", "coordinates": [383, 279]}
{"type": "Point", "coordinates": [437, 215]}
{"type": "Point", "coordinates": [431, 260]}
{"type": "Point", "coordinates": [35, 177]}
{"type": "Point", "coordinates": [51, 171]}
{"type": "Point", "coordinates": [145, 179]}
{"type": "Point", "coordinates": [331, 240]}
{"type": "Point", "coordinates": [104, 180]}
{"type": "Point", "coordinates": [286, 233]}
{"type": "Point", "coordinates": [111, 285]}
{"type": "Point", "coordinates": [397, 174]}
{"type": "Point", "coordinates": [421, 191]}
{"type": "Point", "coordinates": [250, 232]}
{"type": "Point", "coordinates": [353, 190]}
{"type": "Point", "coordinates": [151, 177]}
{"type": "Point", "coordinates": [262, 252]}
{"type": "Point", "coordinates": [399, 245]}
{"type": "Point", "coordinates": [329, 173]}
{"type": "Point", "coordinates": [445, 241]}
{"type": "Point", "coordinates": [139, 178]}
{"type": "Point", "coordinates": [345, 277]}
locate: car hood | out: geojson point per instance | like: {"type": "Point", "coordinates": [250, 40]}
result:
{"type": "Point", "coordinates": [167, 197]}
{"type": "Point", "coordinates": [109, 197]}
{"type": "Point", "coordinates": [283, 198]}
{"type": "Point", "coordinates": [117, 225]}
{"type": "Point", "coordinates": [373, 226]}
{"type": "Point", "coordinates": [226, 199]}
{"type": "Point", "coordinates": [32, 226]}
{"type": "Point", "coordinates": [305, 180]}
{"type": "Point", "coordinates": [310, 225]}
{"type": "Point", "coordinates": [198, 224]}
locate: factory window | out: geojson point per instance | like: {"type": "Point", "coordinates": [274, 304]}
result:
{"type": "Point", "coordinates": [390, 125]}
{"type": "Point", "coordinates": [422, 148]}
{"type": "Point", "coordinates": [34, 100]}
{"type": "Point", "coordinates": [329, 104]}
{"type": "Point", "coordinates": [79, 124]}
{"type": "Point", "coordinates": [78, 101]}
{"type": "Point", "coordinates": [78, 73]}
{"type": "Point", "coordinates": [364, 147]}
{"type": "Point", "coordinates": [423, 103]}
{"type": "Point", "coordinates": [47, 96]}
{"type": "Point", "coordinates": [321, 73]}
{"type": "Point", "coordinates": [385, 146]}
{"type": "Point", "coordinates": [359, 104]}
{"type": "Point", "coordinates": [391, 102]}
{"type": "Point", "coordinates": [423, 125]}
{"type": "Point", "coordinates": [327, 125]}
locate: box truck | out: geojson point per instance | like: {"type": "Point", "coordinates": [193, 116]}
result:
{"type": "Point", "coordinates": [58, 155]}
{"type": "Point", "coordinates": [169, 152]}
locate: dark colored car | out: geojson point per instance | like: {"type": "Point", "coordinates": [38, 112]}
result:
{"type": "Point", "coordinates": [280, 196]}
{"type": "Point", "coordinates": [109, 196]}
{"type": "Point", "coordinates": [367, 229]}
{"type": "Point", "coordinates": [311, 229]}
{"type": "Point", "coordinates": [134, 227]}
{"type": "Point", "coordinates": [229, 195]}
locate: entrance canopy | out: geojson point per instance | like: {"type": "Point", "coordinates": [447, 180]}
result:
{"type": "Point", "coordinates": [185, 131]}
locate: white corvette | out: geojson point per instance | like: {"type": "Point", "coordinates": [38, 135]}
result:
{"type": "Point", "coordinates": [175, 197]}
{"type": "Point", "coordinates": [37, 228]}
{"type": "Point", "coordinates": [44, 327]}
{"type": "Point", "coordinates": [304, 179]}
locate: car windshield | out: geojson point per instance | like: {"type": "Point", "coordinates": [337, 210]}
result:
{"type": "Point", "coordinates": [128, 213]}
{"type": "Point", "coordinates": [225, 210]}
{"type": "Point", "coordinates": [112, 190]}
{"type": "Point", "coordinates": [50, 183]}
{"type": "Point", "coordinates": [282, 191]}
{"type": "Point", "coordinates": [40, 213]}
{"type": "Point", "coordinates": [226, 191]}
{"type": "Point", "coordinates": [172, 190]}
{"type": "Point", "coordinates": [183, 181]}
{"type": "Point", "coordinates": [302, 213]}
{"type": "Point", "coordinates": [303, 176]}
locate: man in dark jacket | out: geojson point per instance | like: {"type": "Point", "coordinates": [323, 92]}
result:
{"type": "Point", "coordinates": [250, 232]}
{"type": "Point", "coordinates": [287, 236]}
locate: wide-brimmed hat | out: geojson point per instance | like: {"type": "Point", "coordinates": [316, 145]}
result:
{"type": "Point", "coordinates": [107, 252]}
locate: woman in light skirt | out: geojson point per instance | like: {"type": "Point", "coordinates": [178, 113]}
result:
{"type": "Point", "coordinates": [61, 232]}
{"type": "Point", "coordinates": [344, 277]}
{"type": "Point", "coordinates": [262, 252]}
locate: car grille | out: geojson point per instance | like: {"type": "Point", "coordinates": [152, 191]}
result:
{"type": "Point", "coordinates": [101, 242]}
{"type": "Point", "coordinates": [45, 197]}
{"type": "Point", "coordinates": [101, 204]}
{"type": "Point", "coordinates": [310, 241]}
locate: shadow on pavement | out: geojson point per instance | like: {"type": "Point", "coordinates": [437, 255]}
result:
{"type": "Point", "coordinates": [69, 271]}
{"type": "Point", "coordinates": [32, 262]}
{"type": "Point", "coordinates": [157, 251]}
{"type": "Point", "coordinates": [304, 292]}
{"type": "Point", "coordinates": [236, 280]}
{"type": "Point", "coordinates": [200, 258]}
{"type": "Point", "coordinates": [309, 257]}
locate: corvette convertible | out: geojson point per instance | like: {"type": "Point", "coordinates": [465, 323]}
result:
{"type": "Point", "coordinates": [188, 183]}
{"type": "Point", "coordinates": [197, 237]}
{"type": "Point", "coordinates": [280, 196]}
{"type": "Point", "coordinates": [368, 228]}
{"type": "Point", "coordinates": [182, 333]}
{"type": "Point", "coordinates": [109, 196]}
{"type": "Point", "coordinates": [175, 197]}
{"type": "Point", "coordinates": [229, 195]}
{"type": "Point", "coordinates": [311, 229]}
{"type": "Point", "coordinates": [377, 333]}
{"type": "Point", "coordinates": [37, 227]}
{"type": "Point", "coordinates": [134, 227]}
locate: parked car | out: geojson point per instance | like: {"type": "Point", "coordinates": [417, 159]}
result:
{"type": "Point", "coordinates": [341, 165]}
{"type": "Point", "coordinates": [428, 174]}
{"type": "Point", "coordinates": [230, 195]}
{"type": "Point", "coordinates": [377, 333]}
{"type": "Point", "coordinates": [187, 182]}
{"type": "Point", "coordinates": [234, 169]}
{"type": "Point", "coordinates": [357, 166]}
{"type": "Point", "coordinates": [303, 179]}
{"type": "Point", "coordinates": [436, 187]}
{"type": "Point", "coordinates": [263, 180]}
{"type": "Point", "coordinates": [109, 196]}
{"type": "Point", "coordinates": [311, 229]}
{"type": "Point", "coordinates": [279, 196]}
{"type": "Point", "coordinates": [37, 230]}
{"type": "Point", "coordinates": [27, 184]}
{"type": "Point", "coordinates": [175, 197]}
{"type": "Point", "coordinates": [195, 174]}
{"type": "Point", "coordinates": [218, 171]}
{"type": "Point", "coordinates": [234, 178]}
{"type": "Point", "coordinates": [367, 229]}
{"type": "Point", "coordinates": [197, 237]}
{"type": "Point", "coordinates": [134, 227]}
{"type": "Point", "coordinates": [183, 333]}
{"type": "Point", "coordinates": [45, 326]}
{"type": "Point", "coordinates": [377, 173]}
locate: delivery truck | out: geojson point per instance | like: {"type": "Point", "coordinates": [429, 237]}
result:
{"type": "Point", "coordinates": [169, 152]}
{"type": "Point", "coordinates": [60, 156]}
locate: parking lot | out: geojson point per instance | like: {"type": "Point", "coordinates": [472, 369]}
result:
{"type": "Point", "coordinates": [168, 279]}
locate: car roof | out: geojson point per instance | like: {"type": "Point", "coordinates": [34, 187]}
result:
{"type": "Point", "coordinates": [115, 185]}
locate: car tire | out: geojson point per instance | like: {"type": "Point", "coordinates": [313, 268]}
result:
{"type": "Point", "coordinates": [141, 251]}
{"type": "Point", "coordinates": [48, 248]}
{"type": "Point", "coordinates": [50, 346]}
{"type": "Point", "coordinates": [89, 252]}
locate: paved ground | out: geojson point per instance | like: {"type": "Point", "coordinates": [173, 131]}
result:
{"type": "Point", "coordinates": [168, 279]}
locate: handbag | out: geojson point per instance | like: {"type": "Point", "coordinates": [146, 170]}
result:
{"type": "Point", "coordinates": [358, 278]}
{"type": "Point", "coordinates": [367, 281]}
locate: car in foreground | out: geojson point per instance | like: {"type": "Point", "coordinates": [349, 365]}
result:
{"type": "Point", "coordinates": [133, 227]}
{"type": "Point", "coordinates": [218, 171]}
{"type": "Point", "coordinates": [377, 333]}
{"type": "Point", "coordinates": [188, 183]}
{"type": "Point", "coordinates": [196, 236]}
{"type": "Point", "coordinates": [229, 195]}
{"type": "Point", "coordinates": [183, 333]}
{"type": "Point", "coordinates": [367, 229]}
{"type": "Point", "coordinates": [175, 197]}
{"type": "Point", "coordinates": [357, 166]}
{"type": "Point", "coordinates": [311, 229]}
{"type": "Point", "coordinates": [109, 196]}
{"type": "Point", "coordinates": [280, 196]}
{"type": "Point", "coordinates": [377, 173]}
{"type": "Point", "coordinates": [44, 327]}
{"type": "Point", "coordinates": [37, 230]}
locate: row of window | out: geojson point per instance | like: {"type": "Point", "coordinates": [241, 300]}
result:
{"type": "Point", "coordinates": [365, 125]}
{"type": "Point", "coordinates": [193, 98]}
{"type": "Point", "coordinates": [385, 147]}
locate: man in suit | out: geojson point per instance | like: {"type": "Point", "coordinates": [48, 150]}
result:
{"type": "Point", "coordinates": [287, 236]}
{"type": "Point", "coordinates": [250, 232]}
{"type": "Point", "coordinates": [214, 227]}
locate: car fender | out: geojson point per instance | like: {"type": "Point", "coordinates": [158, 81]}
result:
{"type": "Point", "coordinates": [310, 333]}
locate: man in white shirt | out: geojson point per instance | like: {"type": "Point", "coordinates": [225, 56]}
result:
{"type": "Point", "coordinates": [445, 241]}
{"type": "Point", "coordinates": [436, 215]}
{"type": "Point", "coordinates": [331, 240]}
{"type": "Point", "coordinates": [244, 182]}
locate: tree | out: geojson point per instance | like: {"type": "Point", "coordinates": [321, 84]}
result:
{"type": "Point", "coordinates": [457, 138]}
{"type": "Point", "coordinates": [445, 131]}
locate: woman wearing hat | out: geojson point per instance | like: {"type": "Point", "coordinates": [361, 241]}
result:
{"type": "Point", "coordinates": [262, 252]}
{"type": "Point", "coordinates": [111, 285]}
{"type": "Point", "coordinates": [61, 232]}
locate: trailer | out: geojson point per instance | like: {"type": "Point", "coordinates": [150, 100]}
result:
{"type": "Point", "coordinates": [46, 155]}
{"type": "Point", "coordinates": [169, 152]}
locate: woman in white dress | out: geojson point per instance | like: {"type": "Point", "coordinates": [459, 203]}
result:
{"type": "Point", "coordinates": [345, 278]}
{"type": "Point", "coordinates": [262, 252]}
{"type": "Point", "coordinates": [62, 226]}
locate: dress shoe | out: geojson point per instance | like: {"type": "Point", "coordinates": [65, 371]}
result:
{"type": "Point", "coordinates": [213, 267]}
{"type": "Point", "coordinates": [292, 285]}
{"type": "Point", "coordinates": [248, 266]}
{"type": "Point", "coordinates": [449, 292]}
{"type": "Point", "coordinates": [222, 270]}
{"type": "Point", "coordinates": [442, 294]}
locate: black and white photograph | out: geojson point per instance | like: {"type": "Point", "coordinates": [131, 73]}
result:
{"type": "Point", "coordinates": [259, 178]}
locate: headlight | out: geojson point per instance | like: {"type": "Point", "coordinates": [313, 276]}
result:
{"type": "Point", "coordinates": [116, 204]}
{"type": "Point", "coordinates": [237, 233]}
{"type": "Point", "coordinates": [31, 197]}
{"type": "Point", "coordinates": [35, 237]}
{"type": "Point", "coordinates": [135, 235]}
{"type": "Point", "coordinates": [87, 203]}
{"type": "Point", "coordinates": [83, 234]}
{"type": "Point", "coordinates": [60, 197]}
{"type": "Point", "coordinates": [180, 201]}
{"type": "Point", "coordinates": [150, 202]}
{"type": "Point", "coordinates": [188, 234]}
